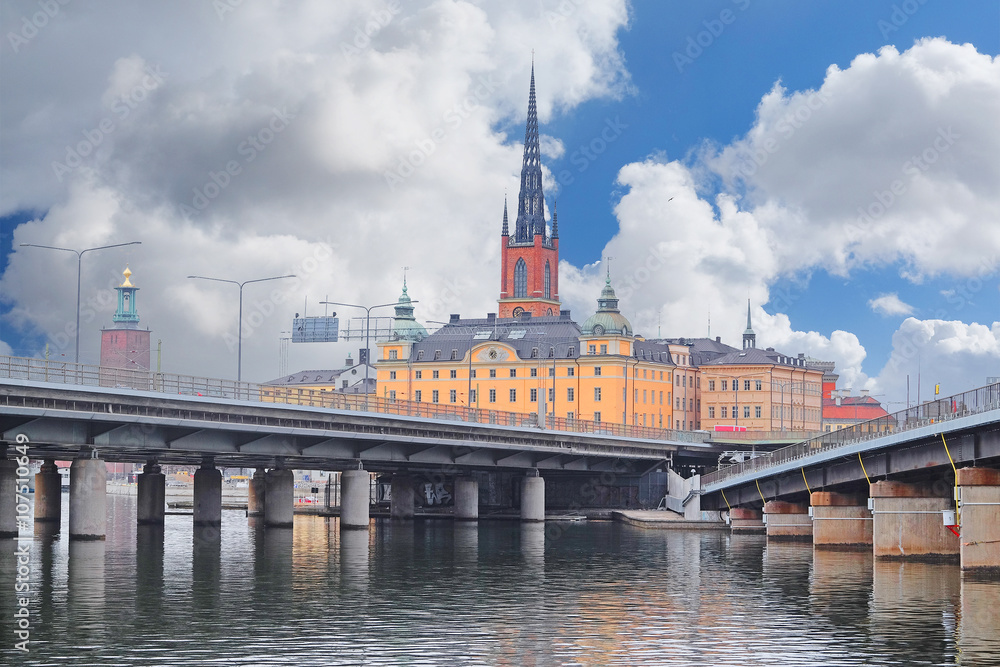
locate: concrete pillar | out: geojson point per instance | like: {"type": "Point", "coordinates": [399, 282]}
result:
{"type": "Point", "coordinates": [840, 521]}
{"type": "Point", "coordinates": [979, 490]}
{"type": "Point", "coordinates": [88, 499]}
{"type": "Point", "coordinates": [908, 522]}
{"type": "Point", "coordinates": [48, 494]}
{"type": "Point", "coordinates": [255, 494]}
{"type": "Point", "coordinates": [787, 521]}
{"type": "Point", "coordinates": [745, 521]}
{"type": "Point", "coordinates": [8, 511]}
{"type": "Point", "coordinates": [401, 497]}
{"type": "Point", "coordinates": [466, 499]}
{"type": "Point", "coordinates": [208, 494]}
{"type": "Point", "coordinates": [150, 490]}
{"type": "Point", "coordinates": [279, 499]}
{"type": "Point", "coordinates": [355, 494]}
{"type": "Point", "coordinates": [533, 499]}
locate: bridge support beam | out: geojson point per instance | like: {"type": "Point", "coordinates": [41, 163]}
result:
{"type": "Point", "coordinates": [533, 498]}
{"type": "Point", "coordinates": [48, 495]}
{"type": "Point", "coordinates": [150, 495]}
{"type": "Point", "coordinates": [355, 499]}
{"type": "Point", "coordinates": [401, 501]}
{"type": "Point", "coordinates": [980, 494]}
{"type": "Point", "coordinates": [466, 499]}
{"type": "Point", "coordinates": [839, 521]}
{"type": "Point", "coordinates": [208, 494]}
{"type": "Point", "coordinates": [909, 523]}
{"type": "Point", "coordinates": [8, 497]}
{"type": "Point", "coordinates": [88, 498]}
{"type": "Point", "coordinates": [279, 498]}
{"type": "Point", "coordinates": [255, 493]}
{"type": "Point", "coordinates": [746, 521]}
{"type": "Point", "coordinates": [787, 521]}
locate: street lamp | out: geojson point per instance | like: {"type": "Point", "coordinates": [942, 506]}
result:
{"type": "Point", "coordinates": [239, 348]}
{"type": "Point", "coordinates": [79, 261]}
{"type": "Point", "coordinates": [368, 316]}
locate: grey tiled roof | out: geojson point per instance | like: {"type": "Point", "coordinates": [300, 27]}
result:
{"type": "Point", "coordinates": [538, 332]}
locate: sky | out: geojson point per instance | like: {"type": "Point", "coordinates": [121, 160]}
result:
{"type": "Point", "coordinates": [836, 163]}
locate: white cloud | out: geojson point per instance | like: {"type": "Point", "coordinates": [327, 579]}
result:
{"type": "Point", "coordinates": [890, 304]}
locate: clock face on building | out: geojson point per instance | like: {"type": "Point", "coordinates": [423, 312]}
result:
{"type": "Point", "coordinates": [493, 353]}
{"type": "Point", "coordinates": [518, 311]}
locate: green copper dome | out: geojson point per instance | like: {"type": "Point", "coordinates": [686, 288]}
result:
{"type": "Point", "coordinates": [607, 320]}
{"type": "Point", "coordinates": [405, 326]}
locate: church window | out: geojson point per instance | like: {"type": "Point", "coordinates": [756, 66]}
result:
{"type": "Point", "coordinates": [548, 280]}
{"type": "Point", "coordinates": [521, 278]}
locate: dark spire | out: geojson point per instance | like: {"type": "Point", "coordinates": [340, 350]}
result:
{"type": "Point", "coordinates": [530, 201]}
{"type": "Point", "coordinates": [749, 337]}
{"type": "Point", "coordinates": [505, 232]}
{"type": "Point", "coordinates": [555, 220]}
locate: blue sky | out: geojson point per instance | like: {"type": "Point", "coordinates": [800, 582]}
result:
{"type": "Point", "coordinates": [680, 92]}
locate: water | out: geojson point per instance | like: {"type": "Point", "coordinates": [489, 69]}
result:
{"type": "Point", "coordinates": [500, 593]}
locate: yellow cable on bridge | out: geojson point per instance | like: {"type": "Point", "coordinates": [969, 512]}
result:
{"type": "Point", "coordinates": [867, 479]}
{"type": "Point", "coordinates": [727, 500]}
{"type": "Point", "coordinates": [958, 518]}
{"type": "Point", "coordinates": [758, 491]}
{"type": "Point", "coordinates": [808, 490]}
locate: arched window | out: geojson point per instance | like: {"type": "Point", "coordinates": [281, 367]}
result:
{"type": "Point", "coordinates": [521, 279]}
{"type": "Point", "coordinates": [548, 280]}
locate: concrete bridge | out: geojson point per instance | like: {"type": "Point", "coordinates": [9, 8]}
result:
{"type": "Point", "coordinates": [921, 483]}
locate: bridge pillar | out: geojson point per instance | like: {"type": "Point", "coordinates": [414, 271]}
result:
{"type": "Point", "coordinates": [150, 492]}
{"type": "Point", "coordinates": [979, 490]}
{"type": "Point", "coordinates": [8, 495]}
{"type": "Point", "coordinates": [88, 498]}
{"type": "Point", "coordinates": [466, 499]}
{"type": "Point", "coordinates": [745, 521]}
{"type": "Point", "coordinates": [908, 522]}
{"type": "Point", "coordinates": [401, 500]}
{"type": "Point", "coordinates": [355, 498]}
{"type": "Point", "coordinates": [48, 495]}
{"type": "Point", "coordinates": [787, 521]}
{"type": "Point", "coordinates": [255, 493]}
{"type": "Point", "coordinates": [839, 521]}
{"type": "Point", "coordinates": [533, 498]}
{"type": "Point", "coordinates": [279, 498]}
{"type": "Point", "coordinates": [207, 494]}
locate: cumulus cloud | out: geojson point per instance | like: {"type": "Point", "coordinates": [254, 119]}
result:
{"type": "Point", "coordinates": [890, 304]}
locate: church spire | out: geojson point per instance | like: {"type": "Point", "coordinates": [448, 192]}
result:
{"type": "Point", "coordinates": [749, 337]}
{"type": "Point", "coordinates": [555, 220]}
{"type": "Point", "coordinates": [505, 231]}
{"type": "Point", "coordinates": [530, 200]}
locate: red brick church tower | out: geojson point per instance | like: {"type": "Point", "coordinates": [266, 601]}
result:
{"type": "Point", "coordinates": [124, 345]}
{"type": "Point", "coordinates": [529, 264]}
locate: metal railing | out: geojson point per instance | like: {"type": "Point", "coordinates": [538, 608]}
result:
{"type": "Point", "coordinates": [975, 401]}
{"type": "Point", "coordinates": [63, 372]}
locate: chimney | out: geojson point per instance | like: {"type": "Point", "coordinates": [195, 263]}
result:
{"type": "Point", "coordinates": [718, 339]}
{"type": "Point", "coordinates": [455, 317]}
{"type": "Point", "coordinates": [864, 393]}
{"type": "Point", "coordinates": [526, 315]}
{"type": "Point", "coordinates": [564, 315]}
{"type": "Point", "coordinates": [348, 361]}
{"type": "Point", "coordinates": [491, 317]}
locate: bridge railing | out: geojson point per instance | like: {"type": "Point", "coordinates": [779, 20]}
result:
{"type": "Point", "coordinates": [64, 372]}
{"type": "Point", "coordinates": [975, 401]}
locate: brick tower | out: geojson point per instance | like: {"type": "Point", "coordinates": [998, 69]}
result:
{"type": "Point", "coordinates": [125, 345]}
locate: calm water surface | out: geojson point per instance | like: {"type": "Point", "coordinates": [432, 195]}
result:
{"type": "Point", "coordinates": [439, 593]}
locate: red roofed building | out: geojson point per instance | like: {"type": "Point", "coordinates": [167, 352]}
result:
{"type": "Point", "coordinates": [843, 411]}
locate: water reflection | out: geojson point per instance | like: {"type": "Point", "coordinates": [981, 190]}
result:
{"type": "Point", "coordinates": [979, 621]}
{"type": "Point", "coordinates": [85, 605]}
{"type": "Point", "coordinates": [354, 560]}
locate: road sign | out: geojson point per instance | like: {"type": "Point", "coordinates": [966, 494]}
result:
{"type": "Point", "coordinates": [315, 330]}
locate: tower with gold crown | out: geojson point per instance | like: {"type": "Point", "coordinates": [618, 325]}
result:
{"type": "Point", "coordinates": [124, 345]}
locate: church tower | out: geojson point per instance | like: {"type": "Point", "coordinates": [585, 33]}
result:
{"type": "Point", "coordinates": [529, 264]}
{"type": "Point", "coordinates": [749, 337]}
{"type": "Point", "coordinates": [125, 345]}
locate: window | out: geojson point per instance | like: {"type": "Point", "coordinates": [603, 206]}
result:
{"type": "Point", "coordinates": [393, 354]}
{"type": "Point", "coordinates": [711, 385]}
{"type": "Point", "coordinates": [736, 413]}
{"type": "Point", "coordinates": [677, 404]}
{"type": "Point", "coordinates": [453, 374]}
{"type": "Point", "coordinates": [343, 385]}
{"type": "Point", "coordinates": [661, 398]}
{"type": "Point", "coordinates": [570, 372]}
{"type": "Point", "coordinates": [746, 385]}
{"type": "Point", "coordinates": [392, 375]}
{"type": "Point", "coordinates": [493, 395]}
{"type": "Point", "coordinates": [473, 373]}
{"type": "Point", "coordinates": [437, 354]}
{"type": "Point", "coordinates": [513, 372]}
{"type": "Point", "coordinates": [597, 416]}
{"type": "Point", "coordinates": [597, 370]}
{"type": "Point", "coordinates": [552, 394]}
{"type": "Point", "coordinates": [691, 404]}
{"type": "Point", "coordinates": [604, 348]}
{"type": "Point", "coordinates": [677, 380]}
{"type": "Point", "coordinates": [725, 385]}
{"type": "Point", "coordinates": [420, 355]}
{"type": "Point", "coordinates": [746, 411]}
{"type": "Point", "coordinates": [636, 399]}
{"type": "Point", "coordinates": [643, 395]}
{"type": "Point", "coordinates": [661, 376]}
{"type": "Point", "coordinates": [493, 372]}
{"type": "Point", "coordinates": [418, 374]}
{"type": "Point", "coordinates": [417, 395]}
{"type": "Point", "coordinates": [533, 395]}
{"type": "Point", "coordinates": [597, 393]}
{"type": "Point", "coordinates": [570, 415]}
{"type": "Point", "coordinates": [711, 412]}
{"type": "Point", "coordinates": [722, 410]}
{"type": "Point", "coordinates": [760, 385]}
{"type": "Point", "coordinates": [520, 279]}
{"type": "Point", "coordinates": [684, 381]}
{"type": "Point", "coordinates": [548, 280]}
{"type": "Point", "coordinates": [552, 352]}
{"type": "Point", "coordinates": [435, 375]}
{"type": "Point", "coordinates": [452, 395]}
{"type": "Point", "coordinates": [534, 353]}
{"type": "Point", "coordinates": [472, 396]}
{"type": "Point", "coordinates": [434, 396]}
{"type": "Point", "coordinates": [571, 352]}
{"type": "Point", "coordinates": [756, 411]}
{"type": "Point", "coordinates": [534, 372]}
{"type": "Point", "coordinates": [552, 372]}
{"type": "Point", "coordinates": [392, 395]}
{"type": "Point", "coordinates": [592, 349]}
{"type": "Point", "coordinates": [454, 354]}
{"type": "Point", "coordinates": [513, 395]}
{"type": "Point", "coordinates": [569, 394]}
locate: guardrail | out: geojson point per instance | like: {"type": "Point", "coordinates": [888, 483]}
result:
{"type": "Point", "coordinates": [983, 399]}
{"type": "Point", "coordinates": [64, 372]}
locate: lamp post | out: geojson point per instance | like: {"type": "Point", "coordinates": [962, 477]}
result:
{"type": "Point", "coordinates": [368, 317]}
{"type": "Point", "coordinates": [239, 348]}
{"type": "Point", "coordinates": [79, 262]}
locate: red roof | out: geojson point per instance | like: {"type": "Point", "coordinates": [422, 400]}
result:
{"type": "Point", "coordinates": [858, 408]}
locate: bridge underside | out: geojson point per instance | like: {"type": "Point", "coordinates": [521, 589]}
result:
{"type": "Point", "coordinates": [922, 460]}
